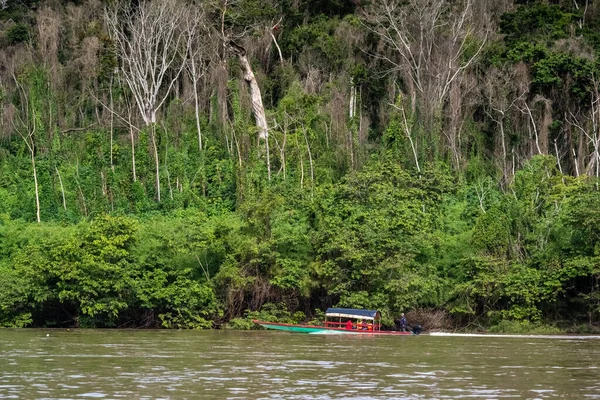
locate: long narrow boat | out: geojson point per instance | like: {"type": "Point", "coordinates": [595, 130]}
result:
{"type": "Point", "coordinates": [349, 321]}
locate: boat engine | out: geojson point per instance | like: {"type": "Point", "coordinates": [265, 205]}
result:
{"type": "Point", "coordinates": [417, 329]}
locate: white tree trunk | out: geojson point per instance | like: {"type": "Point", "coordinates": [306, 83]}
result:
{"type": "Point", "coordinates": [28, 125]}
{"type": "Point", "coordinates": [79, 188]}
{"type": "Point", "coordinates": [310, 160]}
{"type": "Point", "coordinates": [199, 45]}
{"type": "Point", "coordinates": [156, 162]}
{"type": "Point", "coordinates": [408, 132]}
{"type": "Point", "coordinates": [132, 137]}
{"type": "Point", "coordinates": [527, 110]}
{"type": "Point", "coordinates": [268, 158]}
{"type": "Point", "coordinates": [112, 166]}
{"type": "Point", "coordinates": [62, 189]}
{"type": "Point", "coordinates": [166, 162]}
{"type": "Point", "coordinates": [258, 109]}
{"type": "Point", "coordinates": [37, 194]}
{"type": "Point", "coordinates": [197, 107]}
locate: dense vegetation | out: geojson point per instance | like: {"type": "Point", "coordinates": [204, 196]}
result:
{"type": "Point", "coordinates": [435, 156]}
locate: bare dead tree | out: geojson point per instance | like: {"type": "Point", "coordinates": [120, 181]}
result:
{"type": "Point", "coordinates": [587, 122]}
{"type": "Point", "coordinates": [427, 42]}
{"type": "Point", "coordinates": [128, 120]}
{"type": "Point", "coordinates": [310, 159]}
{"type": "Point", "coordinates": [540, 134]}
{"type": "Point", "coordinates": [558, 158]}
{"type": "Point", "coordinates": [275, 28]}
{"type": "Point", "coordinates": [48, 23]}
{"type": "Point", "coordinates": [27, 129]}
{"type": "Point", "coordinates": [62, 189]}
{"type": "Point", "coordinates": [282, 147]}
{"type": "Point", "coordinates": [150, 42]}
{"type": "Point", "coordinates": [586, 4]}
{"type": "Point", "coordinates": [353, 105]}
{"type": "Point", "coordinates": [481, 190]}
{"type": "Point", "coordinates": [258, 109]}
{"type": "Point", "coordinates": [231, 42]}
{"type": "Point", "coordinates": [48, 26]}
{"type": "Point", "coordinates": [500, 98]}
{"type": "Point", "coordinates": [546, 122]}
{"type": "Point", "coordinates": [78, 181]}
{"type": "Point", "coordinates": [3, 110]}
{"type": "Point", "coordinates": [112, 122]}
{"type": "Point", "coordinates": [166, 159]}
{"type": "Point", "coordinates": [424, 44]}
{"type": "Point", "coordinates": [454, 115]}
{"type": "Point", "coordinates": [407, 124]}
{"type": "Point", "coordinates": [199, 57]}
{"type": "Point", "coordinates": [301, 159]}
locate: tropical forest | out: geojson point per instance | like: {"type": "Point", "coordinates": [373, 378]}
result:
{"type": "Point", "coordinates": [203, 163]}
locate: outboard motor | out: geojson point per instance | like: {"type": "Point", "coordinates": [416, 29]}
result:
{"type": "Point", "coordinates": [416, 329]}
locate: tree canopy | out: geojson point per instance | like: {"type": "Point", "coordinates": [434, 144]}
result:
{"type": "Point", "coordinates": [195, 164]}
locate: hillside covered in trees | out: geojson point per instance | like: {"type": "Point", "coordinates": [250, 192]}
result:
{"type": "Point", "coordinates": [197, 163]}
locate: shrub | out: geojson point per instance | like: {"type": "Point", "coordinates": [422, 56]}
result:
{"type": "Point", "coordinates": [17, 33]}
{"type": "Point", "coordinates": [506, 326]}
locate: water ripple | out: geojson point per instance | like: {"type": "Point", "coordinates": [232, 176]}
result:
{"type": "Point", "coordinates": [274, 365]}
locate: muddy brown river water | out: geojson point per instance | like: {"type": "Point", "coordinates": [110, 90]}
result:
{"type": "Point", "coordinates": [137, 364]}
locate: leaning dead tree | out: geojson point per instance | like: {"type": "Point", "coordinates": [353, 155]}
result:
{"type": "Point", "coordinates": [150, 45]}
{"type": "Point", "coordinates": [231, 40]}
{"type": "Point", "coordinates": [258, 109]}
{"type": "Point", "coordinates": [257, 106]}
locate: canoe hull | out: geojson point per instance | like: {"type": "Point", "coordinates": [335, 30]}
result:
{"type": "Point", "coordinates": [322, 330]}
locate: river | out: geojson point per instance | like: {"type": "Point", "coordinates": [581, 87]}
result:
{"type": "Point", "coordinates": [141, 364]}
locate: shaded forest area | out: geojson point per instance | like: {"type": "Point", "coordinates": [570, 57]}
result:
{"type": "Point", "coordinates": [195, 164]}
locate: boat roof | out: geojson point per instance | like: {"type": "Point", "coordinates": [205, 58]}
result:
{"type": "Point", "coordinates": [352, 313]}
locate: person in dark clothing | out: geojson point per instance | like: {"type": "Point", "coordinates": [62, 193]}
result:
{"type": "Point", "coordinates": [402, 324]}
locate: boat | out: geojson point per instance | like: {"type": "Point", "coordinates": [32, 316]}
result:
{"type": "Point", "coordinates": [343, 321]}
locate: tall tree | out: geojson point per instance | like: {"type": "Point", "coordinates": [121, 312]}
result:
{"type": "Point", "coordinates": [200, 55]}
{"type": "Point", "coordinates": [430, 43]}
{"type": "Point", "coordinates": [501, 97]}
{"type": "Point", "coordinates": [149, 40]}
{"type": "Point", "coordinates": [587, 122]}
{"type": "Point", "coordinates": [230, 34]}
{"type": "Point", "coordinates": [27, 123]}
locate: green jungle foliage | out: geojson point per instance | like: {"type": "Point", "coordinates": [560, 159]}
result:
{"type": "Point", "coordinates": [380, 186]}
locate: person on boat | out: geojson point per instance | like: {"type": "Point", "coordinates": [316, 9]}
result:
{"type": "Point", "coordinates": [403, 325]}
{"type": "Point", "coordinates": [349, 324]}
{"type": "Point", "coordinates": [370, 326]}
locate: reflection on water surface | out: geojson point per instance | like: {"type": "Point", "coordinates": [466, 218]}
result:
{"type": "Point", "coordinates": [115, 364]}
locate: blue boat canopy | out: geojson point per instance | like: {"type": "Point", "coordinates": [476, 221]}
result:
{"type": "Point", "coordinates": [352, 313]}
